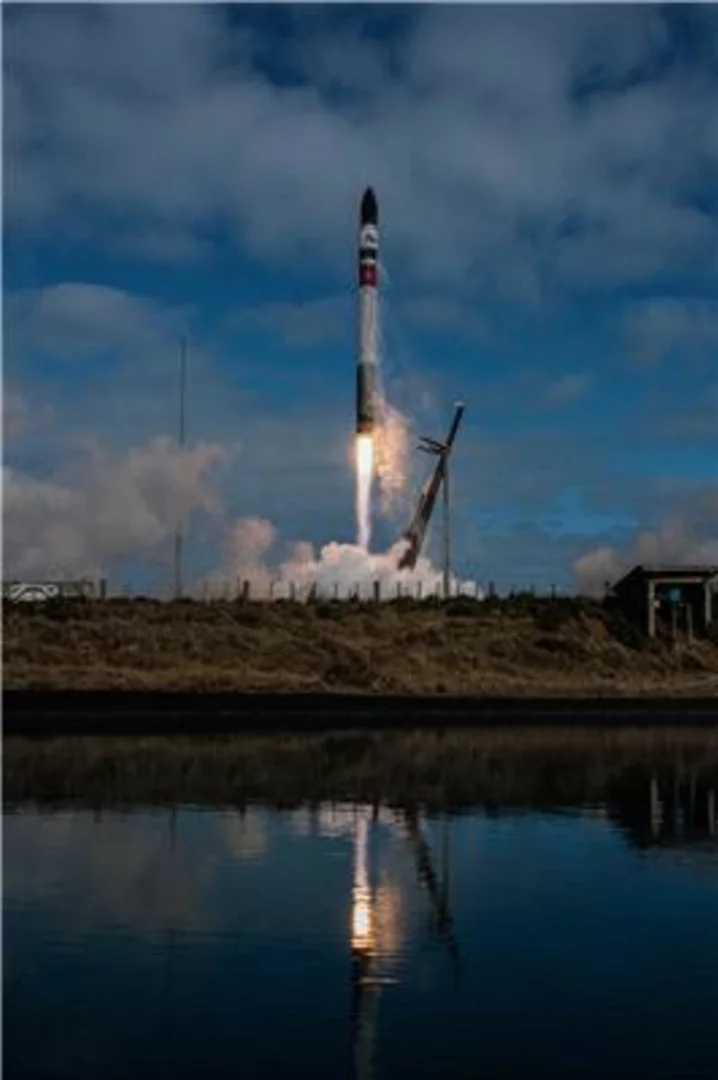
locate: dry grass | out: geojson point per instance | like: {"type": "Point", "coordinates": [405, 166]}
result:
{"type": "Point", "coordinates": [525, 647]}
{"type": "Point", "coordinates": [535, 767]}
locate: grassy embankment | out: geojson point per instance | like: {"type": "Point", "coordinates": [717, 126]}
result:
{"type": "Point", "coordinates": [537, 767]}
{"type": "Point", "coordinates": [524, 646]}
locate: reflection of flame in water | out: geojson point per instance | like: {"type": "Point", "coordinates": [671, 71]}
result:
{"type": "Point", "coordinates": [365, 988]}
{"type": "Point", "coordinates": [375, 933]}
{"type": "Point", "coordinates": [376, 914]}
{"type": "Point", "coordinates": [388, 921]}
{"type": "Point", "coordinates": [361, 894]}
{"type": "Point", "coordinates": [361, 922]}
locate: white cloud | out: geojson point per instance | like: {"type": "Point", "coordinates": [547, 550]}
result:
{"type": "Point", "coordinates": [105, 508]}
{"type": "Point", "coordinates": [488, 162]}
{"type": "Point", "coordinates": [688, 536]}
{"type": "Point", "coordinates": [76, 320]}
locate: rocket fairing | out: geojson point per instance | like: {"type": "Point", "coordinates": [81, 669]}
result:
{"type": "Point", "coordinates": [367, 410]}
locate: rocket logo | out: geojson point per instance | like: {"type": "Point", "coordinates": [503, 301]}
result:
{"type": "Point", "coordinates": [369, 238]}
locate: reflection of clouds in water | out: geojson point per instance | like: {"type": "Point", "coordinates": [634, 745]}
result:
{"type": "Point", "coordinates": [125, 868]}
{"type": "Point", "coordinates": [149, 870]}
{"type": "Point", "coordinates": [244, 833]}
{"type": "Point", "coordinates": [340, 819]}
{"type": "Point", "coordinates": [337, 820]}
{"type": "Point", "coordinates": [301, 822]}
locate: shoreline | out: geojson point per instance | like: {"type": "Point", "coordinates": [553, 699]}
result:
{"type": "Point", "coordinates": [46, 713]}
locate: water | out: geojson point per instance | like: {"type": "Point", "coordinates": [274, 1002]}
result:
{"type": "Point", "coordinates": [348, 940]}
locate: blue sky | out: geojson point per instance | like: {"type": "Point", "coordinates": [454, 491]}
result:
{"type": "Point", "coordinates": [547, 181]}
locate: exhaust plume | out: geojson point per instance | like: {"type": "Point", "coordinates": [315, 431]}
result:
{"type": "Point", "coordinates": [364, 482]}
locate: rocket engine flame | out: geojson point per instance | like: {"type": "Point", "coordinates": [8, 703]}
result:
{"type": "Point", "coordinates": [364, 449]}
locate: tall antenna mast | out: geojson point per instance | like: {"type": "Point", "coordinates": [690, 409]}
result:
{"type": "Point", "coordinates": [179, 531]}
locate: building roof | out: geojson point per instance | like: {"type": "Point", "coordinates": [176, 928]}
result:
{"type": "Point", "coordinates": [676, 573]}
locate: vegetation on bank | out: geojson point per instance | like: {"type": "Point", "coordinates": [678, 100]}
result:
{"type": "Point", "coordinates": [523, 645]}
{"type": "Point", "coordinates": [539, 767]}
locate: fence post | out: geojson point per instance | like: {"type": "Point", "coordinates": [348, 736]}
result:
{"type": "Point", "coordinates": [377, 591]}
{"type": "Point", "coordinates": [103, 588]}
{"type": "Point", "coordinates": [292, 591]}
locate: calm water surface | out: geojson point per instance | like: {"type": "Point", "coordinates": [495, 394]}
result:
{"type": "Point", "coordinates": [350, 941]}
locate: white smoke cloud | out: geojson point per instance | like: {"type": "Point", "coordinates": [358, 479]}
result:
{"type": "Point", "coordinates": [341, 570]}
{"type": "Point", "coordinates": [688, 537]}
{"type": "Point", "coordinates": [106, 508]}
{"type": "Point", "coordinates": [245, 557]}
{"type": "Point", "coordinates": [393, 451]}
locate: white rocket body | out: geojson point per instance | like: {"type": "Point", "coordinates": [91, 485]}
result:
{"type": "Point", "coordinates": [367, 381]}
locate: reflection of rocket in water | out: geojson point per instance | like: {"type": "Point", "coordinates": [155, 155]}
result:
{"type": "Point", "coordinates": [375, 929]}
{"type": "Point", "coordinates": [438, 891]}
{"type": "Point", "coordinates": [365, 985]}
{"type": "Point", "coordinates": [367, 389]}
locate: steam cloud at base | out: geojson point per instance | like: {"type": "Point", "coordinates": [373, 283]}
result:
{"type": "Point", "coordinates": [341, 570]}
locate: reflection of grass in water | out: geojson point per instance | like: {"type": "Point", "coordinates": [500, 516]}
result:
{"type": "Point", "coordinates": [532, 766]}
{"type": "Point", "coordinates": [521, 646]}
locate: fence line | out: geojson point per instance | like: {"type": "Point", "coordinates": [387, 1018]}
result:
{"type": "Point", "coordinates": [243, 590]}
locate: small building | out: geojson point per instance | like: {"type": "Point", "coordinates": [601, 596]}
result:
{"type": "Point", "coordinates": [683, 598]}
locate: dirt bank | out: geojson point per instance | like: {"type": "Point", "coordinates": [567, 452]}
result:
{"type": "Point", "coordinates": [526, 647]}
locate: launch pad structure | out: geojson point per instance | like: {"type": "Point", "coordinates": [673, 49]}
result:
{"type": "Point", "coordinates": [415, 534]}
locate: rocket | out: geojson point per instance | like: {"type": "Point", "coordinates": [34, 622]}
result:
{"type": "Point", "coordinates": [367, 322]}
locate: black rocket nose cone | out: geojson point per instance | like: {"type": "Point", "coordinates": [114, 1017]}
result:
{"type": "Point", "coordinates": [369, 210]}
